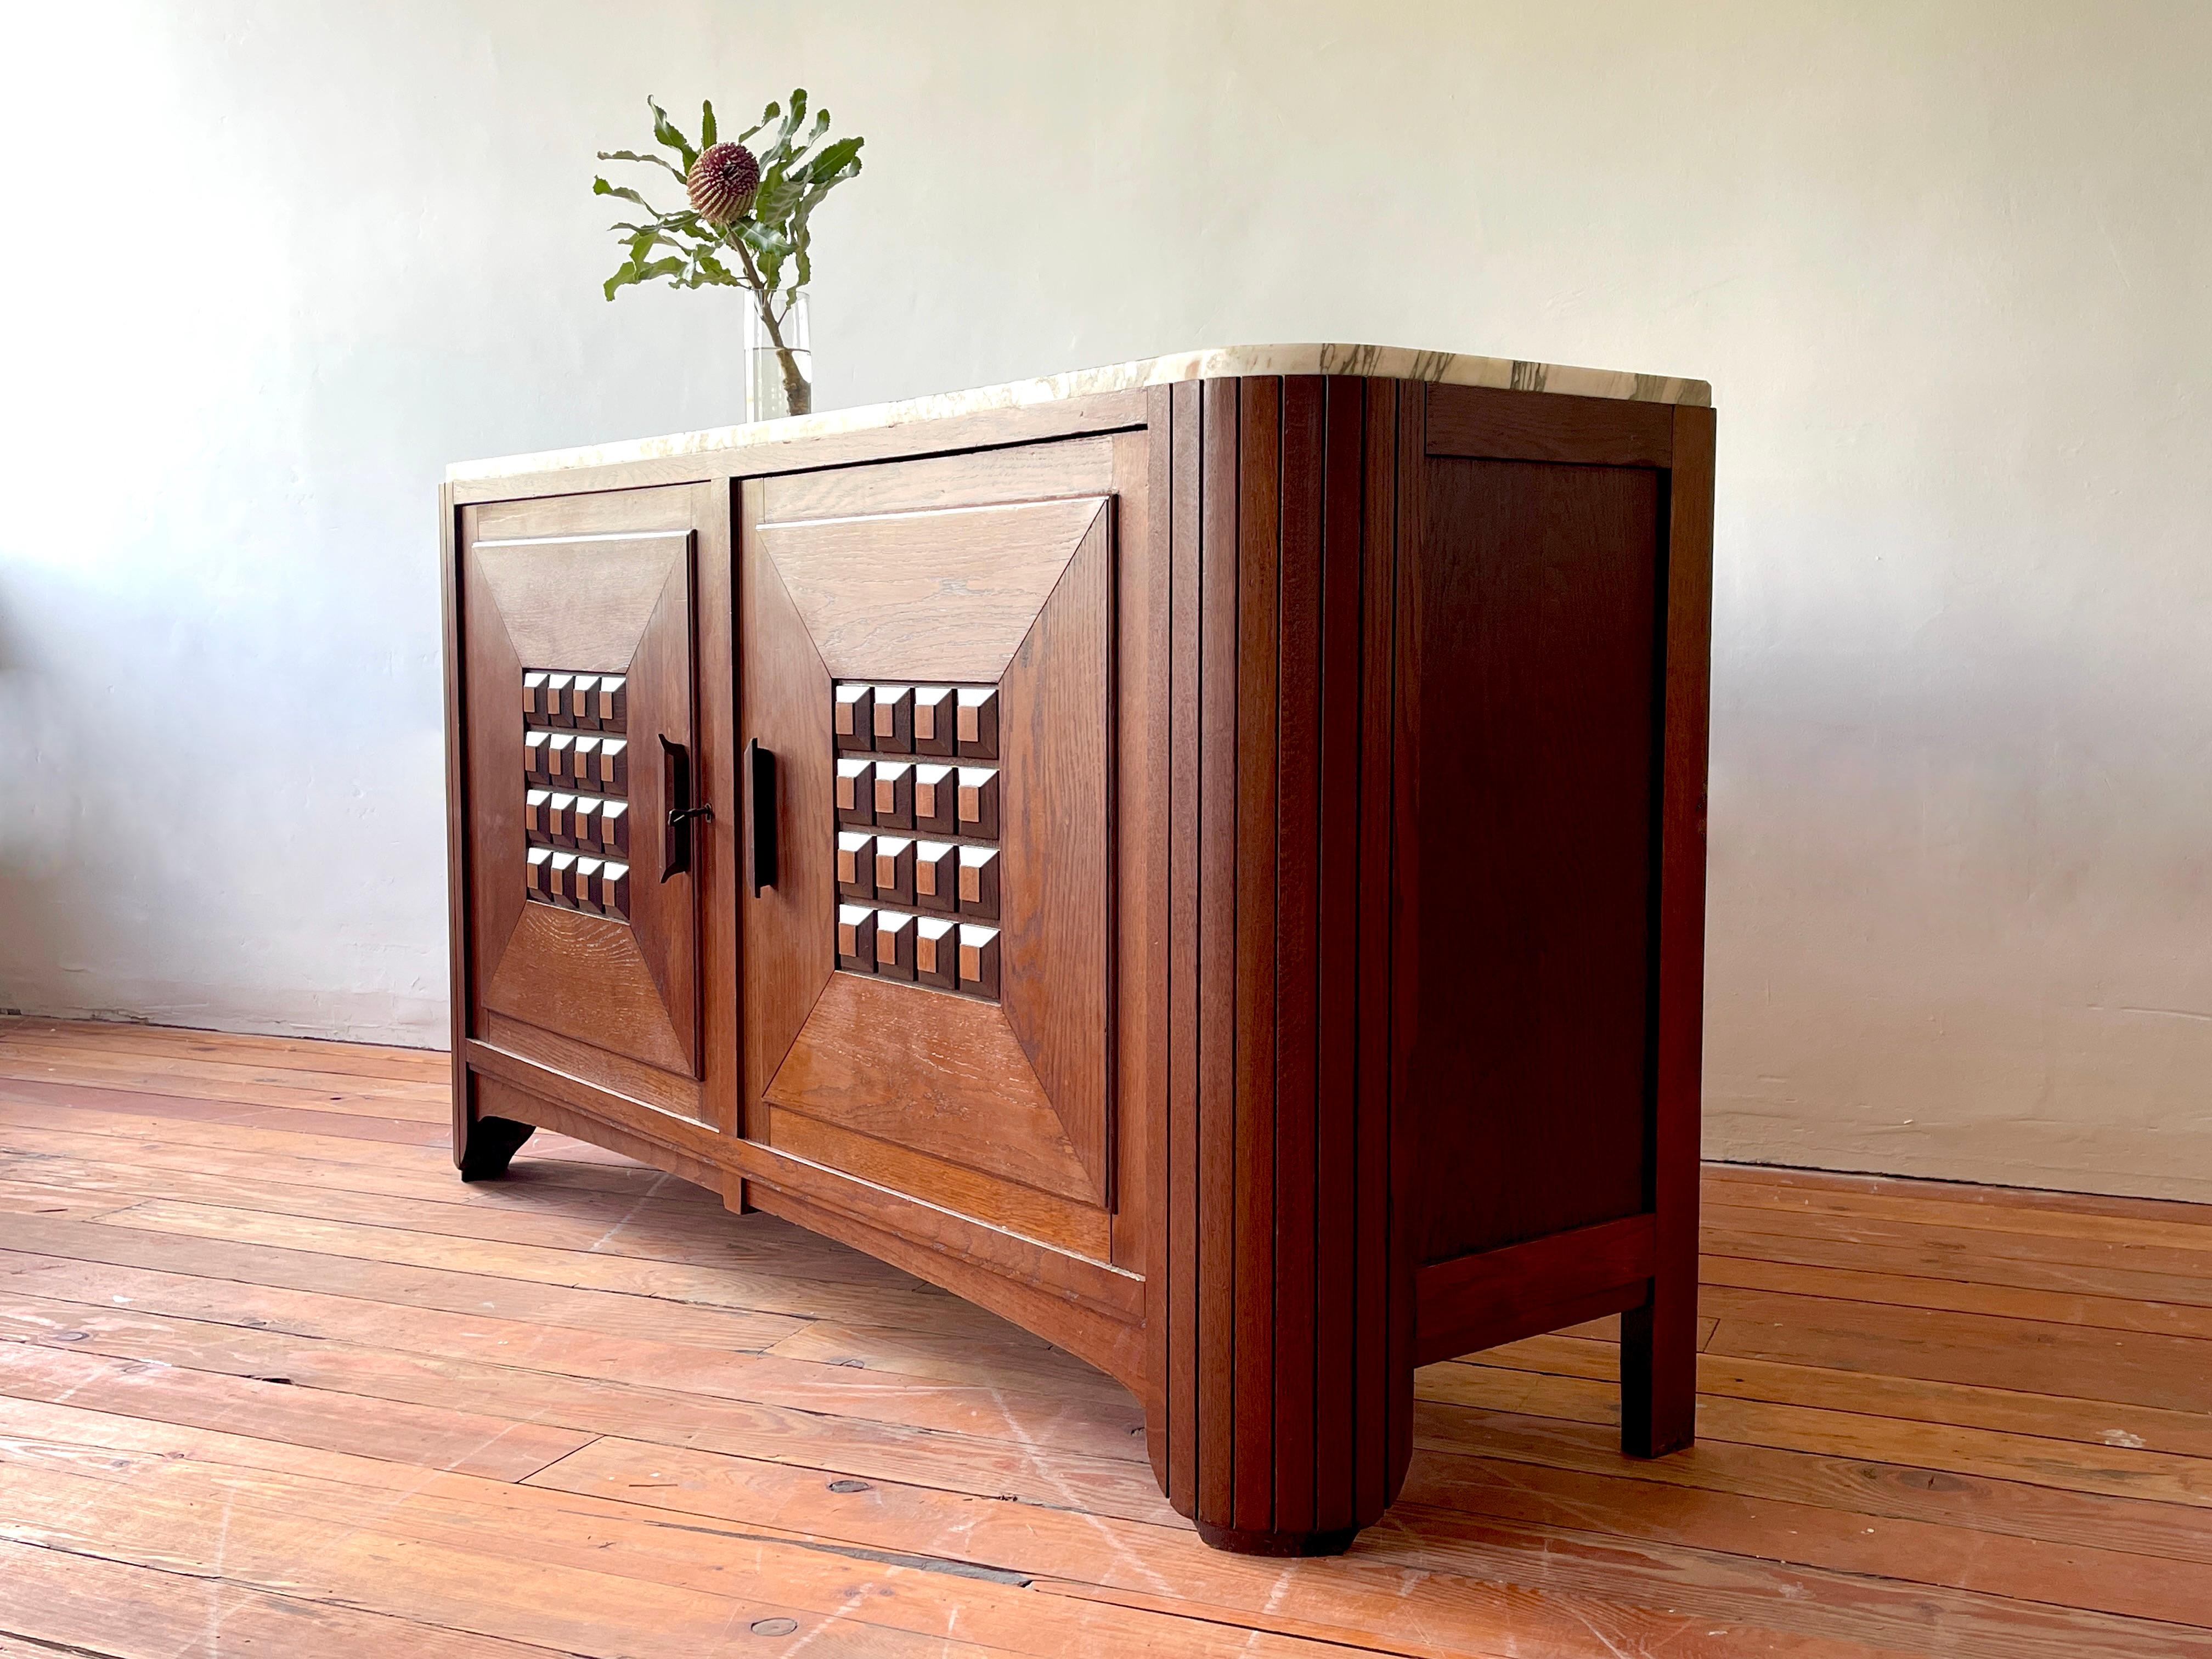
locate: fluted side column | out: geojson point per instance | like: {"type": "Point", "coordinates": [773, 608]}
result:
{"type": "Point", "coordinates": [1282, 1320]}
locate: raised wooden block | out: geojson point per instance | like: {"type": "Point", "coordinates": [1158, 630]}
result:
{"type": "Point", "coordinates": [976, 722]}
{"type": "Point", "coordinates": [852, 718]}
{"type": "Point", "coordinates": [556, 697]}
{"type": "Point", "coordinates": [892, 719]}
{"type": "Point", "coordinates": [561, 818]}
{"type": "Point", "coordinates": [894, 865]}
{"type": "Point", "coordinates": [936, 798]}
{"type": "Point", "coordinates": [588, 882]}
{"type": "Point", "coordinates": [613, 758]}
{"type": "Point", "coordinates": [856, 869]}
{"type": "Point", "coordinates": [562, 878]}
{"type": "Point", "coordinates": [612, 712]}
{"type": "Point", "coordinates": [537, 871]}
{"type": "Point", "coordinates": [979, 960]}
{"type": "Point", "coordinates": [933, 720]}
{"type": "Point", "coordinates": [856, 938]}
{"type": "Point", "coordinates": [583, 701]}
{"type": "Point", "coordinates": [561, 758]}
{"type": "Point", "coordinates": [936, 952]}
{"type": "Point", "coordinates": [533, 694]}
{"type": "Point", "coordinates": [614, 889]}
{"type": "Point", "coordinates": [977, 811]}
{"type": "Point", "coordinates": [893, 795]}
{"type": "Point", "coordinates": [855, 791]}
{"type": "Point", "coordinates": [536, 748]}
{"type": "Point", "coordinates": [614, 828]}
{"type": "Point", "coordinates": [894, 945]}
{"type": "Point", "coordinates": [936, 875]}
{"type": "Point", "coordinates": [537, 813]}
{"type": "Point", "coordinates": [979, 883]}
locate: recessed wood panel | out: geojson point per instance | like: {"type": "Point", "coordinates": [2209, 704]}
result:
{"type": "Point", "coordinates": [911, 595]}
{"type": "Point", "coordinates": [1533, 695]}
{"type": "Point", "coordinates": [963, 1090]}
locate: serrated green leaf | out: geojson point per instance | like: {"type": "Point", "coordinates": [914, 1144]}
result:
{"type": "Point", "coordinates": [669, 135]}
{"type": "Point", "coordinates": [809, 139]}
{"type": "Point", "coordinates": [601, 187]}
{"type": "Point", "coordinates": [768, 115]}
{"type": "Point", "coordinates": [705, 123]}
{"type": "Point", "coordinates": [651, 161]}
{"type": "Point", "coordinates": [793, 117]}
{"type": "Point", "coordinates": [827, 165]}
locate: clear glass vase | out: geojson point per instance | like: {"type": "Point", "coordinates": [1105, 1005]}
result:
{"type": "Point", "coordinates": [778, 356]}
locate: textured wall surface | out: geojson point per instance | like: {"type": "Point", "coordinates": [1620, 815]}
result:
{"type": "Point", "coordinates": [269, 266]}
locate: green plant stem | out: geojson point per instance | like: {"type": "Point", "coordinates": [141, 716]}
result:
{"type": "Point", "coordinates": [797, 396]}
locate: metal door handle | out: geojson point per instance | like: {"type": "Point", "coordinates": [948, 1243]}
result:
{"type": "Point", "coordinates": [676, 791]}
{"type": "Point", "coordinates": [760, 769]}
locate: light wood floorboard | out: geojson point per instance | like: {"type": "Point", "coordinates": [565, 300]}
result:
{"type": "Point", "coordinates": [273, 1381]}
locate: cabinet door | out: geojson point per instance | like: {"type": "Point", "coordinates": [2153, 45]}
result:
{"type": "Point", "coordinates": [577, 624]}
{"type": "Point", "coordinates": [928, 982]}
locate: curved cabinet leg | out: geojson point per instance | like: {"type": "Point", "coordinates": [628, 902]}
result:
{"type": "Point", "coordinates": [1285, 1426]}
{"type": "Point", "coordinates": [490, 1145]}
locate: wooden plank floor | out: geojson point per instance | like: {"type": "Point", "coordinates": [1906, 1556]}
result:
{"type": "Point", "coordinates": [274, 1382]}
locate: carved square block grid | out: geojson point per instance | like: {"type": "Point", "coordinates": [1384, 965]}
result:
{"type": "Point", "coordinates": [917, 834]}
{"type": "Point", "coordinates": [575, 790]}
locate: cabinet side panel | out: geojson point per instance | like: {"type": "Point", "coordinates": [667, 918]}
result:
{"type": "Point", "coordinates": [1533, 694]}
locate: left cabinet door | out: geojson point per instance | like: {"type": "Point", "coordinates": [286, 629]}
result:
{"type": "Point", "coordinates": [579, 721]}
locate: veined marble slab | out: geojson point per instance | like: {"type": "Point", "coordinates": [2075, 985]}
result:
{"type": "Point", "coordinates": [1220, 362]}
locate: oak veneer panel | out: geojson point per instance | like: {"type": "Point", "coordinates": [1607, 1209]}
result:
{"type": "Point", "coordinates": [603, 985]}
{"type": "Point", "coordinates": [1075, 466]}
{"type": "Point", "coordinates": [1256, 1107]}
{"type": "Point", "coordinates": [1214, 1212]}
{"type": "Point", "coordinates": [1172, 1289]}
{"type": "Point", "coordinates": [597, 1066]}
{"type": "Point", "coordinates": [932, 596]}
{"type": "Point", "coordinates": [1055, 746]}
{"type": "Point", "coordinates": [1138, 811]}
{"type": "Point", "coordinates": [1536, 603]}
{"type": "Point", "coordinates": [785, 703]}
{"type": "Point", "coordinates": [1298, 1176]}
{"type": "Point", "coordinates": [1483, 423]}
{"type": "Point", "coordinates": [1336, 951]}
{"type": "Point", "coordinates": [580, 606]}
{"type": "Point", "coordinates": [966, 1092]}
{"type": "Point", "coordinates": [1067, 1225]}
{"type": "Point", "coordinates": [1380, 1256]}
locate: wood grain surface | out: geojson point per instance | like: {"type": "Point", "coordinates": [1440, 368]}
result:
{"type": "Point", "coordinates": [268, 1384]}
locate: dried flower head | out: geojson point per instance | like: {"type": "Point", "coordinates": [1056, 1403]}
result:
{"type": "Point", "coordinates": [722, 182]}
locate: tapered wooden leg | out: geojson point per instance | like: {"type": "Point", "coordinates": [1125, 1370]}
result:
{"type": "Point", "coordinates": [491, 1145]}
{"type": "Point", "coordinates": [1659, 1371]}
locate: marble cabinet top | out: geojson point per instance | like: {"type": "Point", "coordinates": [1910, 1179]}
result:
{"type": "Point", "coordinates": [1385, 363]}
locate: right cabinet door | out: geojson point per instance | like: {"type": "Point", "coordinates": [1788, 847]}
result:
{"type": "Point", "coordinates": [928, 990]}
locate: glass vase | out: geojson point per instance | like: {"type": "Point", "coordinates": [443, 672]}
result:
{"type": "Point", "coordinates": [778, 356]}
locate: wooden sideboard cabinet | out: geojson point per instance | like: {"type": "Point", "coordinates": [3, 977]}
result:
{"type": "Point", "coordinates": [1206, 859]}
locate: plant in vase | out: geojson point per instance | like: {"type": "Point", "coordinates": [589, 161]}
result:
{"type": "Point", "coordinates": [750, 209]}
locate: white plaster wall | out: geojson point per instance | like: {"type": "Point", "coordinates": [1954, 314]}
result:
{"type": "Point", "coordinates": [269, 266]}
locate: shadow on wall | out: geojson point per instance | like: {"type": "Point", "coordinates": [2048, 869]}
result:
{"type": "Point", "coordinates": [42, 807]}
